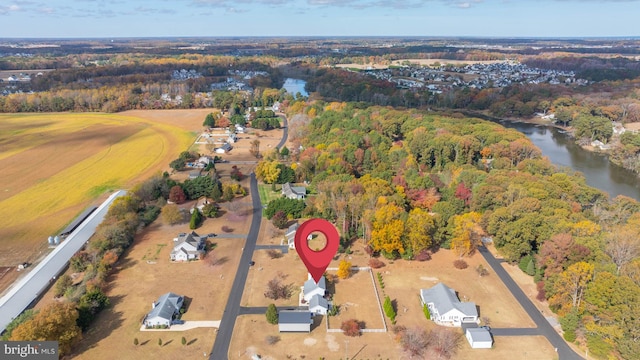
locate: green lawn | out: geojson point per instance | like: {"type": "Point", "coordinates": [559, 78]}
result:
{"type": "Point", "coordinates": [266, 194]}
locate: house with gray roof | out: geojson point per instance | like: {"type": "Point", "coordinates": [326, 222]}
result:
{"type": "Point", "coordinates": [445, 307]}
{"type": "Point", "coordinates": [294, 192]}
{"type": "Point", "coordinates": [294, 321]}
{"type": "Point", "coordinates": [318, 305]}
{"type": "Point", "coordinates": [164, 310]}
{"type": "Point", "coordinates": [188, 247]}
{"type": "Point", "coordinates": [479, 338]}
{"type": "Point", "coordinates": [310, 288]}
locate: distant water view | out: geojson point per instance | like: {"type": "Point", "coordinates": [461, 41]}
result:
{"type": "Point", "coordinates": [599, 172]}
{"type": "Point", "coordinates": [294, 86]}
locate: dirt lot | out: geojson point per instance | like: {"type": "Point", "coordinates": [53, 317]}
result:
{"type": "Point", "coordinates": [356, 298]}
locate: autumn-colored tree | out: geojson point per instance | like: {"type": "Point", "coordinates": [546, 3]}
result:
{"type": "Point", "coordinates": [177, 195]}
{"type": "Point", "coordinates": [623, 245]}
{"type": "Point", "coordinates": [280, 219]}
{"type": "Point", "coordinates": [388, 228]}
{"type": "Point", "coordinates": [463, 193]}
{"type": "Point", "coordinates": [419, 229]}
{"type": "Point", "coordinates": [466, 233]}
{"type": "Point", "coordinates": [62, 284]}
{"type": "Point", "coordinates": [55, 322]}
{"type": "Point", "coordinates": [558, 253]}
{"type": "Point", "coordinates": [344, 269]}
{"type": "Point", "coordinates": [570, 287]}
{"type": "Point", "coordinates": [171, 214]}
{"type": "Point", "coordinates": [268, 171]}
{"type": "Point", "coordinates": [351, 327]}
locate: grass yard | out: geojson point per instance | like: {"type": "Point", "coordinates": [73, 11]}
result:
{"type": "Point", "coordinates": [267, 194]}
{"type": "Point", "coordinates": [55, 165]}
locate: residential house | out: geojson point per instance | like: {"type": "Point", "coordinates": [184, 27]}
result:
{"type": "Point", "coordinates": [445, 307]}
{"type": "Point", "coordinates": [310, 288]}
{"type": "Point", "coordinates": [164, 310]}
{"type": "Point", "coordinates": [479, 338]}
{"type": "Point", "coordinates": [294, 192]}
{"type": "Point", "coordinates": [224, 148]}
{"type": "Point", "coordinates": [294, 321]}
{"type": "Point", "coordinates": [318, 305]}
{"type": "Point", "coordinates": [188, 247]}
{"type": "Point", "coordinates": [203, 161]}
{"type": "Point", "coordinates": [291, 235]}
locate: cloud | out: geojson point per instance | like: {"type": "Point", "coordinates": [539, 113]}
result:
{"type": "Point", "coordinates": [6, 9]}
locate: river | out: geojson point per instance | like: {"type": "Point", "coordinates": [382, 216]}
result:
{"type": "Point", "coordinates": [599, 172]}
{"type": "Point", "coordinates": [294, 86]}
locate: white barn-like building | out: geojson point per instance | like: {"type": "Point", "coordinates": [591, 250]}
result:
{"type": "Point", "coordinates": [479, 338]}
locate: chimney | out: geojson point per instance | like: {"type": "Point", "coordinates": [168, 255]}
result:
{"type": "Point", "coordinates": [153, 305]}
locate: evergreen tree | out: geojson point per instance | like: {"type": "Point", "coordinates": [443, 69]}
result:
{"type": "Point", "coordinates": [272, 314]}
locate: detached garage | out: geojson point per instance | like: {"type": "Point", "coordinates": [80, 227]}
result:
{"type": "Point", "coordinates": [479, 338]}
{"type": "Point", "coordinates": [295, 321]}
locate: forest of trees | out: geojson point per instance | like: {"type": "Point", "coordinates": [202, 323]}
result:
{"type": "Point", "coordinates": [407, 182]}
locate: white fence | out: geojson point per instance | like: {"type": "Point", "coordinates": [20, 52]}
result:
{"type": "Point", "coordinates": [375, 290]}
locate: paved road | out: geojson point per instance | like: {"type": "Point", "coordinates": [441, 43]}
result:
{"type": "Point", "coordinates": [232, 310]}
{"type": "Point", "coordinates": [515, 331]}
{"type": "Point", "coordinates": [283, 248]}
{"type": "Point", "coordinates": [29, 288]}
{"type": "Point", "coordinates": [220, 349]}
{"type": "Point", "coordinates": [285, 133]}
{"type": "Point", "coordinates": [544, 328]}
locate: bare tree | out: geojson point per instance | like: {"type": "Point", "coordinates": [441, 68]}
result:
{"type": "Point", "coordinates": [255, 148]}
{"type": "Point", "coordinates": [445, 342]}
{"type": "Point", "coordinates": [415, 342]}
{"type": "Point", "coordinates": [623, 246]}
{"type": "Point", "coordinates": [276, 290]}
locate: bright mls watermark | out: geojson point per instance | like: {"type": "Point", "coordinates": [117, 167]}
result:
{"type": "Point", "coordinates": [40, 350]}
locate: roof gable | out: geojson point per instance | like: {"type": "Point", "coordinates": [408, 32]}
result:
{"type": "Point", "coordinates": [310, 285]}
{"type": "Point", "coordinates": [167, 305]}
{"type": "Point", "coordinates": [444, 299]}
{"type": "Point", "coordinates": [294, 317]}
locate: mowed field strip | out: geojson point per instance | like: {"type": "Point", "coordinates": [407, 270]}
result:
{"type": "Point", "coordinates": [54, 165]}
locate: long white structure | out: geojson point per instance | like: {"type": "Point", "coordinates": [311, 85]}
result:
{"type": "Point", "coordinates": [29, 287]}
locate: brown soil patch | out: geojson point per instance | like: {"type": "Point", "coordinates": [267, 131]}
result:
{"type": "Point", "coordinates": [356, 298]}
{"type": "Point", "coordinates": [187, 119]}
{"type": "Point", "coordinates": [632, 126]}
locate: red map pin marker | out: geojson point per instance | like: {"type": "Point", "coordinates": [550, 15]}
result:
{"type": "Point", "coordinates": [317, 261]}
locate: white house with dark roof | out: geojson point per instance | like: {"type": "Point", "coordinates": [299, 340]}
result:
{"type": "Point", "coordinates": [294, 192]}
{"type": "Point", "coordinates": [318, 305]}
{"type": "Point", "coordinates": [445, 307]}
{"type": "Point", "coordinates": [294, 321]}
{"type": "Point", "coordinates": [310, 288]}
{"type": "Point", "coordinates": [188, 247]}
{"type": "Point", "coordinates": [164, 310]}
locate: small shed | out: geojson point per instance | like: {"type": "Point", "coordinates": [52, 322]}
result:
{"type": "Point", "coordinates": [295, 321]}
{"type": "Point", "coordinates": [479, 338]}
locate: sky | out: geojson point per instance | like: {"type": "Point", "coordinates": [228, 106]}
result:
{"type": "Point", "coordinates": [166, 18]}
